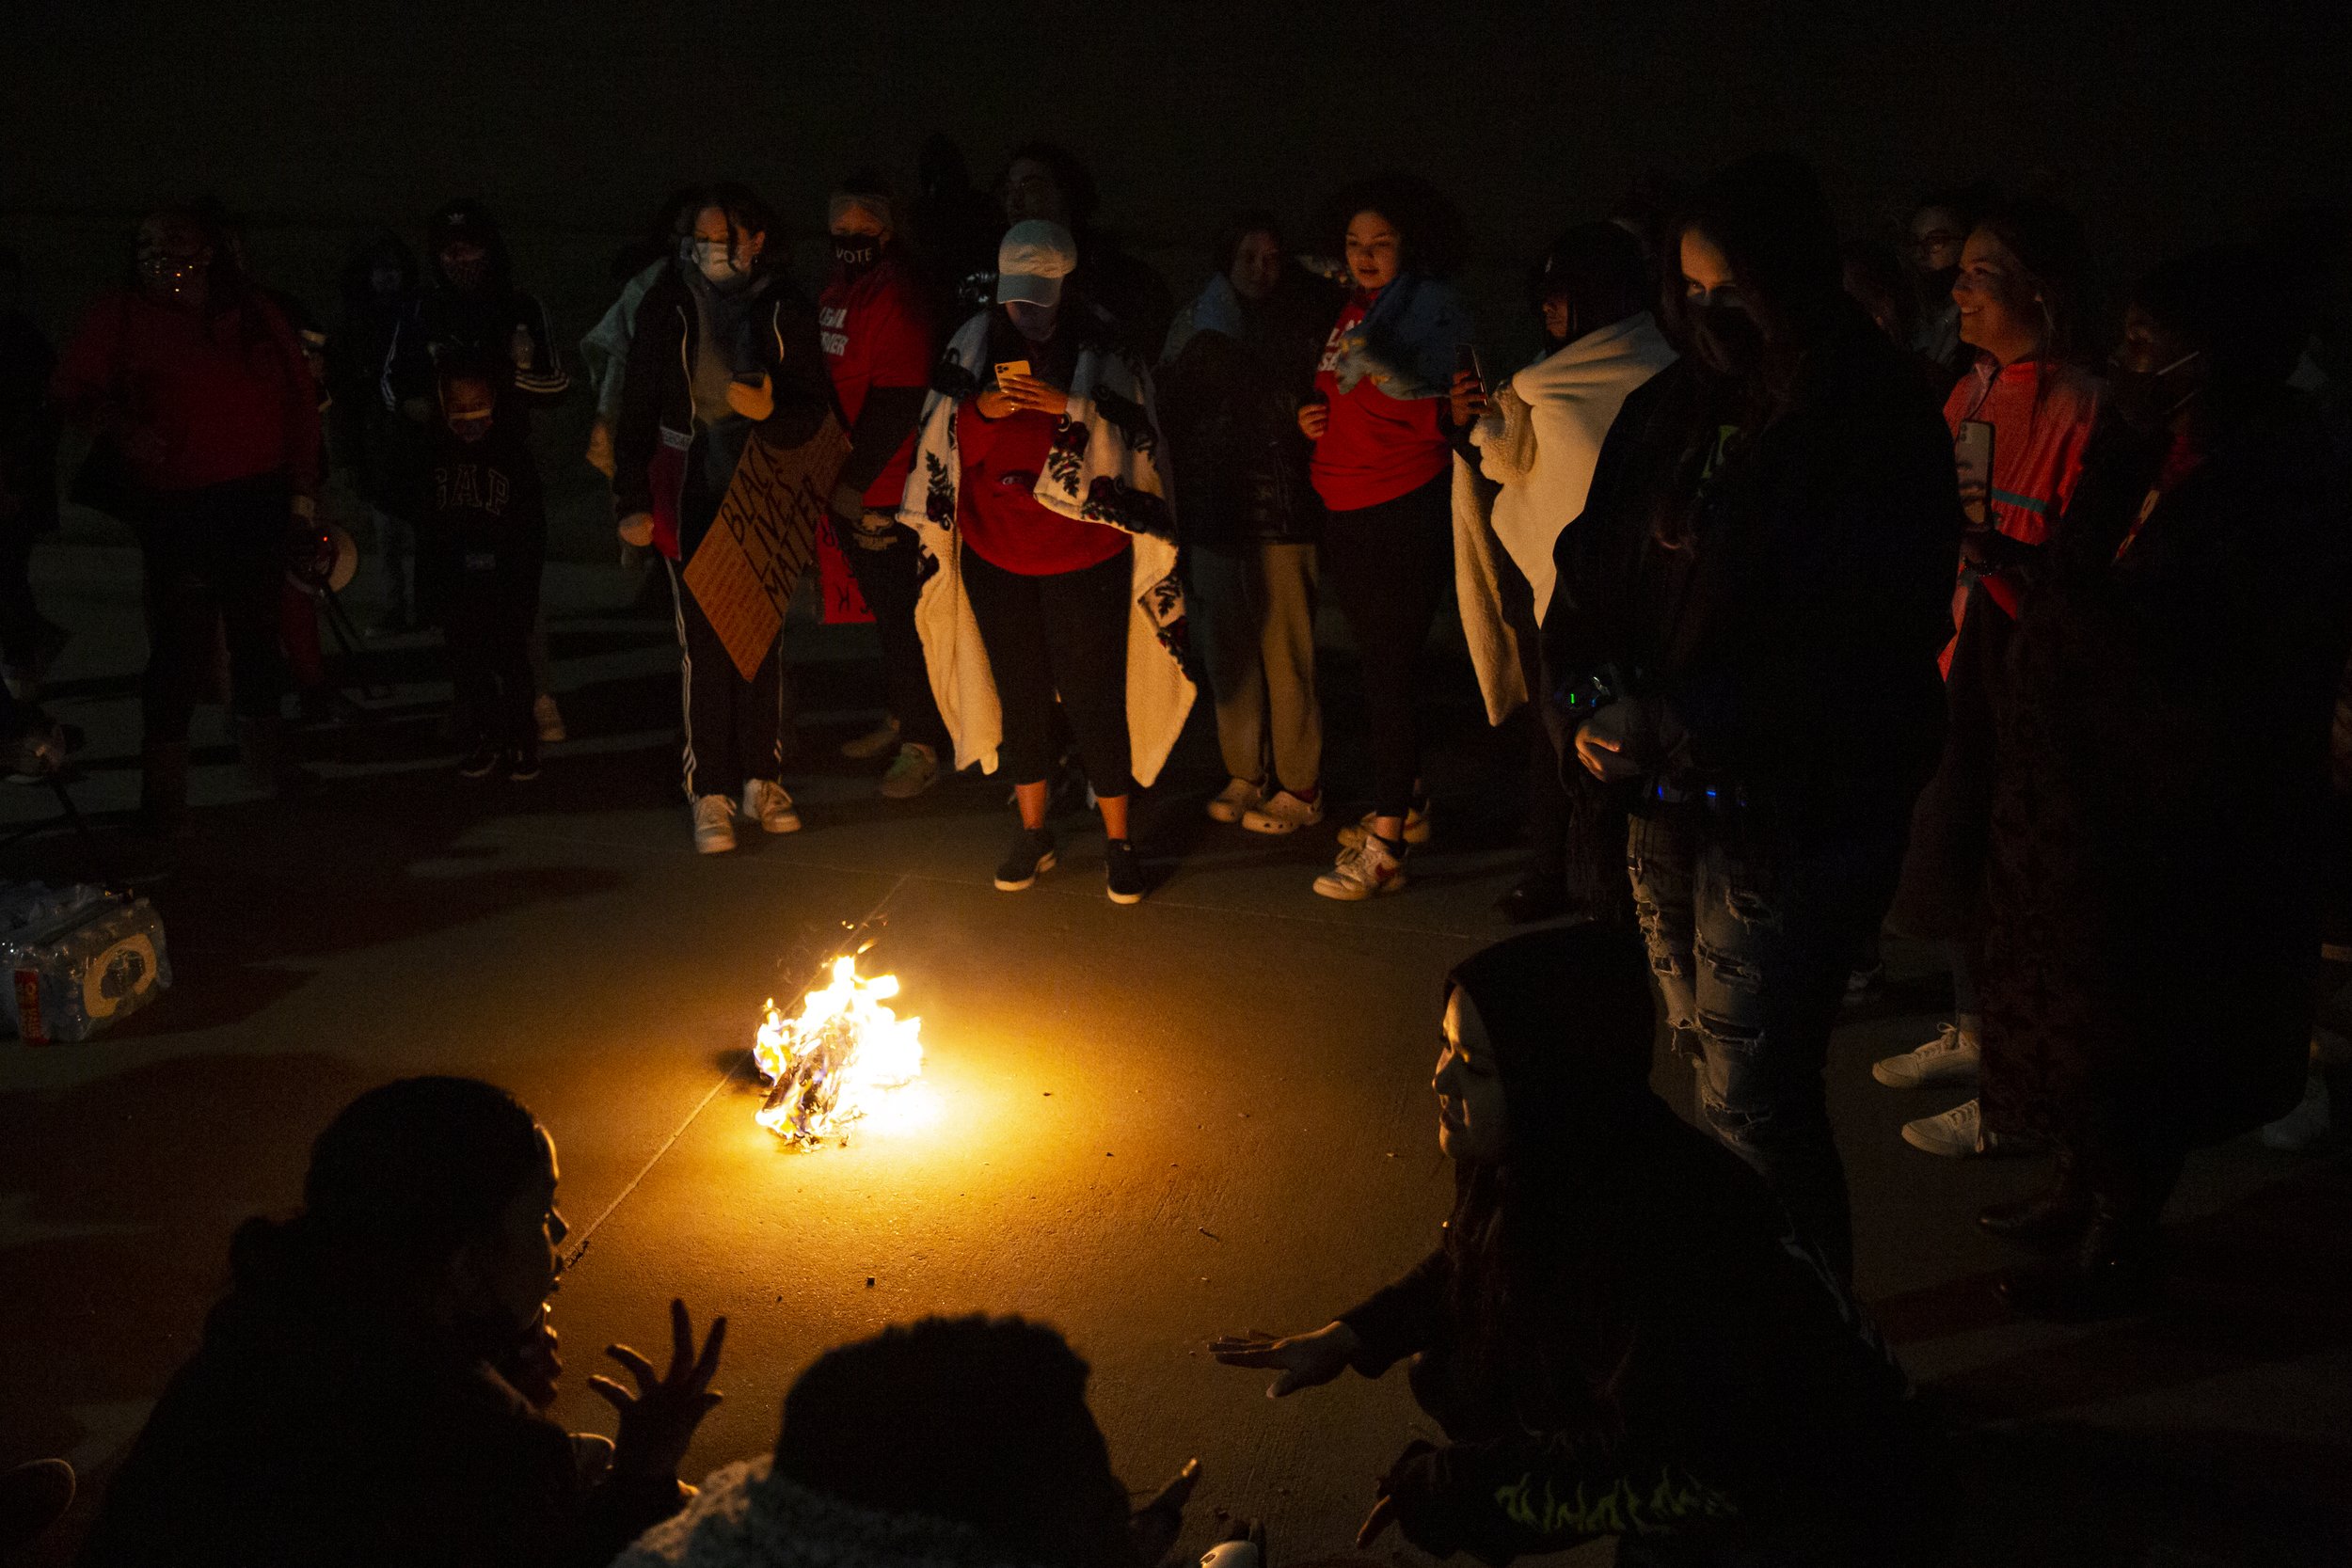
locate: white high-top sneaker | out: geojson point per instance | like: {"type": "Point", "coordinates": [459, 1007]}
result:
{"type": "Point", "coordinates": [714, 825]}
{"type": "Point", "coordinates": [769, 804]}
{"type": "Point", "coordinates": [1366, 870]}
{"type": "Point", "coordinates": [1952, 1058]}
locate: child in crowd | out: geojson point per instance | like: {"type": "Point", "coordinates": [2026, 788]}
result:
{"type": "Point", "coordinates": [485, 512]}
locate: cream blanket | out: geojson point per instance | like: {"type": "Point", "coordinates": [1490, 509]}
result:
{"type": "Point", "coordinates": [1536, 447]}
{"type": "Point", "coordinates": [1104, 467]}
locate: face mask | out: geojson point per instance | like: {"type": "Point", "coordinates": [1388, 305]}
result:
{"type": "Point", "coordinates": [715, 260]}
{"type": "Point", "coordinates": [1728, 339]}
{"type": "Point", "coordinates": [856, 252]}
{"type": "Point", "coordinates": [470, 428]}
{"type": "Point", "coordinates": [467, 277]}
{"type": "Point", "coordinates": [386, 282]}
{"type": "Point", "coordinates": [2142, 398]}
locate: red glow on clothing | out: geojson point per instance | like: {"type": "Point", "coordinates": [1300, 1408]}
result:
{"type": "Point", "coordinates": [996, 506]}
{"type": "Point", "coordinates": [1375, 447]}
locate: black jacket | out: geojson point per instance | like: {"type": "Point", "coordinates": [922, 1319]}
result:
{"type": "Point", "coordinates": [312, 1429]}
{"type": "Point", "coordinates": [1650, 1352]}
{"type": "Point", "coordinates": [1794, 630]}
{"type": "Point", "coordinates": [1229, 405]}
{"type": "Point", "coordinates": [28, 427]}
{"type": "Point", "coordinates": [656, 390]}
{"type": "Point", "coordinates": [2161, 772]}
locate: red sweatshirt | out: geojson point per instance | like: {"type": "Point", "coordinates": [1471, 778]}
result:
{"type": "Point", "coordinates": [226, 404]}
{"type": "Point", "coordinates": [1376, 448]}
{"type": "Point", "coordinates": [876, 332]}
{"type": "Point", "coordinates": [997, 508]}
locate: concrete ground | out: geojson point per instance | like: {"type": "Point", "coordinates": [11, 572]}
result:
{"type": "Point", "coordinates": [1206, 1112]}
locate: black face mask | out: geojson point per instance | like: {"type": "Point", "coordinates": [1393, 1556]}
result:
{"type": "Point", "coordinates": [1728, 339]}
{"type": "Point", "coordinates": [857, 255]}
{"type": "Point", "coordinates": [2145, 399]}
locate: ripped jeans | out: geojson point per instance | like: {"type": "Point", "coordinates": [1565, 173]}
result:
{"type": "Point", "coordinates": [1752, 938]}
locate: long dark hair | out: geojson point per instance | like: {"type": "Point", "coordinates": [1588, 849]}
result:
{"type": "Point", "coordinates": [1071, 175]}
{"type": "Point", "coordinates": [747, 213]}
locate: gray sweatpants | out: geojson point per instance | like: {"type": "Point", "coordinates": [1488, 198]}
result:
{"type": "Point", "coordinates": [1254, 613]}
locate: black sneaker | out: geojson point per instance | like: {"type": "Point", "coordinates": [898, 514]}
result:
{"type": "Point", "coordinates": [1031, 853]}
{"type": "Point", "coordinates": [1124, 872]}
{"type": "Point", "coordinates": [522, 764]}
{"type": "Point", "coordinates": [479, 763]}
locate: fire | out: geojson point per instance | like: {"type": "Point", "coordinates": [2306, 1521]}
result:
{"type": "Point", "coordinates": [847, 1060]}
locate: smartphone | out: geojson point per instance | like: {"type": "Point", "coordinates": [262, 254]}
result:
{"type": "Point", "coordinates": [1012, 367]}
{"type": "Point", "coordinates": [1466, 358]}
{"type": "Point", "coordinates": [1972, 455]}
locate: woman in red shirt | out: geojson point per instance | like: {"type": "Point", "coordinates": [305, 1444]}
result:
{"type": "Point", "coordinates": [1050, 592]}
{"type": "Point", "coordinates": [199, 384]}
{"type": "Point", "coordinates": [1383, 466]}
{"type": "Point", "coordinates": [2020, 420]}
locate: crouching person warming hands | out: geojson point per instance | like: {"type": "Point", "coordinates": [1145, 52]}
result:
{"type": "Point", "coordinates": [371, 1391]}
{"type": "Point", "coordinates": [1618, 1335]}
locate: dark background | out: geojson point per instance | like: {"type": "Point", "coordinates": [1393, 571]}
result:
{"type": "Point", "coordinates": [2164, 125]}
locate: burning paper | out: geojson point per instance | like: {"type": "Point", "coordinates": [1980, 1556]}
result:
{"type": "Point", "coordinates": [846, 1060]}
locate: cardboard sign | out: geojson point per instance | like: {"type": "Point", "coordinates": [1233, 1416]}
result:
{"type": "Point", "coordinates": [764, 537]}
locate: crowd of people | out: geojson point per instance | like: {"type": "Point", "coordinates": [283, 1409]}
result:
{"type": "Point", "coordinates": [1839, 586]}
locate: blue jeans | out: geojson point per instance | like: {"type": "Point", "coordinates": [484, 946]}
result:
{"type": "Point", "coordinates": [1752, 935]}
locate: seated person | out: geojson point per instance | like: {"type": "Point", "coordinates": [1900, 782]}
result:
{"type": "Point", "coordinates": [356, 1400]}
{"type": "Point", "coordinates": [944, 1442]}
{"type": "Point", "coordinates": [1618, 1333]}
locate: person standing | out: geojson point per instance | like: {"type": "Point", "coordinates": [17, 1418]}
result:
{"type": "Point", "coordinates": [1232, 375]}
{"type": "Point", "coordinates": [1535, 444]}
{"type": "Point", "coordinates": [1744, 642]}
{"type": "Point", "coordinates": [725, 353]}
{"type": "Point", "coordinates": [2160, 805]}
{"type": "Point", "coordinates": [28, 482]}
{"type": "Point", "coordinates": [876, 331]}
{"type": "Point", "coordinates": [2020, 420]}
{"type": "Point", "coordinates": [1044, 181]}
{"type": "Point", "coordinates": [470, 309]}
{"type": "Point", "coordinates": [1037, 489]}
{"type": "Point", "coordinates": [373, 444]}
{"type": "Point", "coordinates": [487, 517]}
{"type": "Point", "coordinates": [200, 386]}
{"type": "Point", "coordinates": [1379, 419]}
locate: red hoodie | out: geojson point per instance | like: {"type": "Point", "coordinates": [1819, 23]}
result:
{"type": "Point", "coordinates": [228, 403]}
{"type": "Point", "coordinates": [876, 332]}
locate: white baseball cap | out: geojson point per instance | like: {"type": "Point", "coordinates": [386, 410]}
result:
{"type": "Point", "coordinates": [1035, 255]}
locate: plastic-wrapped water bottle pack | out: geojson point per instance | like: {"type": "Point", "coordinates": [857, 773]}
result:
{"type": "Point", "coordinates": [78, 958]}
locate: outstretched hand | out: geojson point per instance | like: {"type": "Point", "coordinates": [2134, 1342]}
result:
{"type": "Point", "coordinates": [1300, 1360]}
{"type": "Point", "coordinates": [659, 1420]}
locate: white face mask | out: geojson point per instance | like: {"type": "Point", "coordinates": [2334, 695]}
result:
{"type": "Point", "coordinates": [714, 259]}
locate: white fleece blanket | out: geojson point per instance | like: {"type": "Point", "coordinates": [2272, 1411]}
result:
{"type": "Point", "coordinates": [747, 1517]}
{"type": "Point", "coordinates": [1104, 467]}
{"type": "Point", "coordinates": [1538, 443]}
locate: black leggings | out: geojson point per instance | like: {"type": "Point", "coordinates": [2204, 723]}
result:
{"type": "Point", "coordinates": [1067, 634]}
{"type": "Point", "coordinates": [1390, 567]}
{"type": "Point", "coordinates": [219, 551]}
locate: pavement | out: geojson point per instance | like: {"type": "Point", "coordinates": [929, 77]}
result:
{"type": "Point", "coordinates": [1204, 1113]}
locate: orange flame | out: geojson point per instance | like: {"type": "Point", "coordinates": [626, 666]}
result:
{"type": "Point", "coordinates": [846, 1060]}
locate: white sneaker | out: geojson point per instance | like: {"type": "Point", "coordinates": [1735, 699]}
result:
{"type": "Point", "coordinates": [544, 714]}
{"type": "Point", "coordinates": [714, 825]}
{"type": "Point", "coordinates": [1952, 1058]}
{"type": "Point", "coordinates": [2307, 1123]}
{"type": "Point", "coordinates": [1960, 1133]}
{"type": "Point", "coordinates": [881, 741]}
{"type": "Point", "coordinates": [1366, 870]}
{"type": "Point", "coordinates": [1415, 827]}
{"type": "Point", "coordinates": [1238, 798]}
{"type": "Point", "coordinates": [767, 802]}
{"type": "Point", "coordinates": [1283, 812]}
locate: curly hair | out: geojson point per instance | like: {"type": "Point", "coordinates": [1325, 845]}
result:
{"type": "Point", "coordinates": [1434, 239]}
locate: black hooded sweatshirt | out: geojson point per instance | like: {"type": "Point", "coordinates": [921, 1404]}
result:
{"type": "Point", "coordinates": [1619, 1332]}
{"type": "Point", "coordinates": [497, 325]}
{"type": "Point", "coordinates": [1770, 557]}
{"type": "Point", "coordinates": [317, 1426]}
